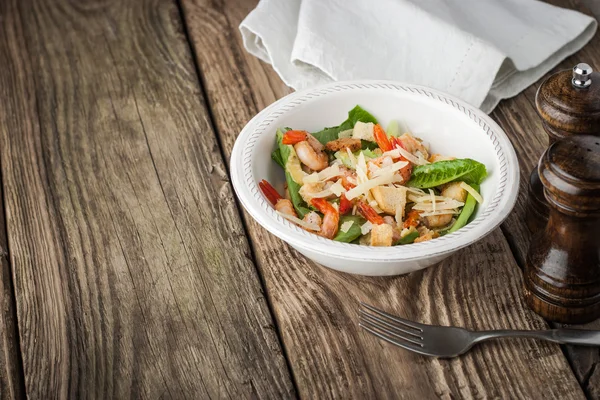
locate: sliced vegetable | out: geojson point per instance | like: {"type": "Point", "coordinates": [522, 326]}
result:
{"type": "Point", "coordinates": [293, 188]}
{"type": "Point", "coordinates": [345, 205]}
{"type": "Point", "coordinates": [354, 115]}
{"type": "Point", "coordinates": [353, 232]}
{"type": "Point", "coordinates": [438, 173]}
{"type": "Point", "coordinates": [293, 137]}
{"type": "Point", "coordinates": [467, 211]}
{"type": "Point", "coordinates": [408, 239]}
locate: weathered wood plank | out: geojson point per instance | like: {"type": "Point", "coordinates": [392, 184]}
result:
{"type": "Point", "coordinates": [519, 119]}
{"type": "Point", "coordinates": [11, 368]}
{"type": "Point", "coordinates": [132, 271]}
{"type": "Point", "coordinates": [316, 308]}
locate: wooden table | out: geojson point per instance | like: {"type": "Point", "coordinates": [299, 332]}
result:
{"type": "Point", "coordinates": [129, 269]}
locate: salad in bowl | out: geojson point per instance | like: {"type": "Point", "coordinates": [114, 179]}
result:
{"type": "Point", "coordinates": [360, 183]}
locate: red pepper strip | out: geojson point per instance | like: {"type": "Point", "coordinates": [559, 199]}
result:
{"type": "Point", "coordinates": [269, 192]}
{"type": "Point", "coordinates": [345, 205]}
{"type": "Point", "coordinates": [381, 138]}
{"type": "Point", "coordinates": [369, 213]}
{"type": "Point", "coordinates": [293, 137]}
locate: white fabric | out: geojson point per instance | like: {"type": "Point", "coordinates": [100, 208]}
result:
{"type": "Point", "coordinates": [481, 51]}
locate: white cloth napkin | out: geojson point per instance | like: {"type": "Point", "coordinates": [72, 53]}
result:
{"type": "Point", "coordinates": [481, 51]}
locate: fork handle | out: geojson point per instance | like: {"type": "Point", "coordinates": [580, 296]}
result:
{"type": "Point", "coordinates": [580, 337]}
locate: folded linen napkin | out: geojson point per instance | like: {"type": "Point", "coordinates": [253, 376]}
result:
{"type": "Point", "coordinates": [481, 51]}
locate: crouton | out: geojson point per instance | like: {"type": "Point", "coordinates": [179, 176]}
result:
{"type": "Point", "coordinates": [455, 191]}
{"type": "Point", "coordinates": [389, 198]}
{"type": "Point", "coordinates": [343, 144]}
{"type": "Point", "coordinates": [363, 131]}
{"type": "Point", "coordinates": [381, 235]}
{"type": "Point", "coordinates": [426, 234]}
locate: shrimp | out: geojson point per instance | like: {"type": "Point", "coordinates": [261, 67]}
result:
{"type": "Point", "coordinates": [308, 149]}
{"type": "Point", "coordinates": [280, 204]}
{"type": "Point", "coordinates": [331, 218]}
{"type": "Point", "coordinates": [349, 178]}
{"type": "Point", "coordinates": [412, 219]}
{"type": "Point", "coordinates": [313, 218]}
{"type": "Point", "coordinates": [438, 221]}
{"type": "Point", "coordinates": [369, 213]}
{"type": "Point", "coordinates": [413, 145]}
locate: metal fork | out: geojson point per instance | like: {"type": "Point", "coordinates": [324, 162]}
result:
{"type": "Point", "coordinates": [449, 341]}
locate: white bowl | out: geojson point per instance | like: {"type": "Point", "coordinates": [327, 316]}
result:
{"type": "Point", "coordinates": [451, 126]}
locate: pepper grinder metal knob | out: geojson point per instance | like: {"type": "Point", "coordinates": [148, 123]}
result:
{"type": "Point", "coordinates": [568, 103]}
{"type": "Point", "coordinates": [582, 76]}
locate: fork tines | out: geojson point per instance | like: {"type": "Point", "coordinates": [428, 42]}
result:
{"type": "Point", "coordinates": [399, 331]}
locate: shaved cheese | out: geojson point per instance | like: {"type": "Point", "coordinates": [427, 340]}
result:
{"type": "Point", "coordinates": [416, 191]}
{"type": "Point", "coordinates": [444, 205]}
{"type": "Point", "coordinates": [312, 178]}
{"type": "Point", "coordinates": [364, 187]}
{"type": "Point", "coordinates": [410, 157]}
{"type": "Point", "coordinates": [361, 169]}
{"type": "Point", "coordinates": [432, 195]}
{"type": "Point", "coordinates": [345, 227]}
{"type": "Point", "coordinates": [326, 174]}
{"type": "Point", "coordinates": [428, 198]}
{"type": "Point", "coordinates": [345, 134]}
{"type": "Point", "coordinates": [299, 222]}
{"type": "Point", "coordinates": [336, 206]}
{"type": "Point", "coordinates": [391, 168]}
{"type": "Point", "coordinates": [472, 192]}
{"type": "Point", "coordinates": [351, 180]}
{"type": "Point", "coordinates": [366, 228]}
{"type": "Point", "coordinates": [329, 172]}
{"type": "Point", "coordinates": [354, 208]}
{"type": "Point", "coordinates": [413, 198]}
{"type": "Point", "coordinates": [399, 214]}
{"type": "Point", "coordinates": [351, 157]}
{"type": "Point", "coordinates": [441, 212]}
{"type": "Point", "coordinates": [337, 188]}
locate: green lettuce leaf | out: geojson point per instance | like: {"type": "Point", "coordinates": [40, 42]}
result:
{"type": "Point", "coordinates": [393, 128]}
{"type": "Point", "coordinates": [466, 212]}
{"type": "Point", "coordinates": [438, 173]}
{"type": "Point", "coordinates": [356, 114]}
{"type": "Point", "coordinates": [408, 239]}
{"type": "Point", "coordinates": [293, 188]}
{"type": "Point", "coordinates": [276, 156]}
{"type": "Point", "coordinates": [345, 159]}
{"type": "Point", "coordinates": [354, 231]}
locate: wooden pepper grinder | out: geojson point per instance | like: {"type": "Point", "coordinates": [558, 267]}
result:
{"type": "Point", "coordinates": [569, 104]}
{"type": "Point", "coordinates": [562, 272]}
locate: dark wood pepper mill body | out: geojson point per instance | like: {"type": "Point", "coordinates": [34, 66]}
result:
{"type": "Point", "coordinates": [562, 273]}
{"type": "Point", "coordinates": [568, 103]}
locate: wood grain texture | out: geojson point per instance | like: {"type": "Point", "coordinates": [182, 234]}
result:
{"type": "Point", "coordinates": [519, 119]}
{"type": "Point", "coordinates": [316, 308]}
{"type": "Point", "coordinates": [132, 271]}
{"type": "Point", "coordinates": [11, 367]}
